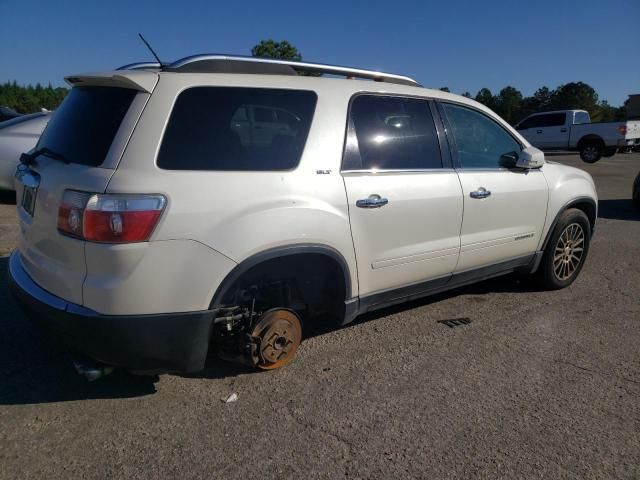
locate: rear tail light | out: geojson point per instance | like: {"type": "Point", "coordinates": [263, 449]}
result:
{"type": "Point", "coordinates": [622, 129]}
{"type": "Point", "coordinates": [109, 218]}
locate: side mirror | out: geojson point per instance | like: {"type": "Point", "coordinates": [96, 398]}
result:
{"type": "Point", "coordinates": [530, 158]}
{"type": "Point", "coordinates": [509, 160]}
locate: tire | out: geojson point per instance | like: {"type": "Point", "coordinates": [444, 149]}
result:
{"type": "Point", "coordinates": [562, 259]}
{"type": "Point", "coordinates": [591, 151]}
{"type": "Point", "coordinates": [609, 152]}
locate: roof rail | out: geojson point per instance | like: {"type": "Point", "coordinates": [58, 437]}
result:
{"type": "Point", "coordinates": [140, 66]}
{"type": "Point", "coordinates": [221, 63]}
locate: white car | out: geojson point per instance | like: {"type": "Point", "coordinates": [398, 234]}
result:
{"type": "Point", "coordinates": [572, 130]}
{"type": "Point", "coordinates": [151, 229]}
{"type": "Point", "coordinates": [17, 136]}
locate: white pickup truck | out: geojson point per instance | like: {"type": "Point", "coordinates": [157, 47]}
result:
{"type": "Point", "coordinates": [572, 130]}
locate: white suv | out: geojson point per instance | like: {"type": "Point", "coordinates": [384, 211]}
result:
{"type": "Point", "coordinates": [158, 217]}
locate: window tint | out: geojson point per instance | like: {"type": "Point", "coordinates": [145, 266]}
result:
{"type": "Point", "coordinates": [209, 129]}
{"type": "Point", "coordinates": [86, 122]}
{"type": "Point", "coordinates": [529, 122]}
{"type": "Point", "coordinates": [552, 120]}
{"type": "Point", "coordinates": [393, 133]}
{"type": "Point", "coordinates": [581, 117]}
{"type": "Point", "coordinates": [480, 141]}
{"type": "Point", "coordinates": [263, 115]}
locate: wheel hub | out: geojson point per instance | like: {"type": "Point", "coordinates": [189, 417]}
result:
{"type": "Point", "coordinates": [279, 333]}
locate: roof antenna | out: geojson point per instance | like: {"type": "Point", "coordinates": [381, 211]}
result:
{"type": "Point", "coordinates": [151, 50]}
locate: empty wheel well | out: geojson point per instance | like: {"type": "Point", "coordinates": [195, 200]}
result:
{"type": "Point", "coordinates": [314, 285]}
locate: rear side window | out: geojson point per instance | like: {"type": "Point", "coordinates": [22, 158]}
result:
{"type": "Point", "coordinates": [393, 133]}
{"type": "Point", "coordinates": [227, 128]}
{"type": "Point", "coordinates": [581, 117]}
{"type": "Point", "coordinates": [86, 122]}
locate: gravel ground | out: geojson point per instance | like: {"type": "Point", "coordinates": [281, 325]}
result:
{"type": "Point", "coordinates": [538, 385]}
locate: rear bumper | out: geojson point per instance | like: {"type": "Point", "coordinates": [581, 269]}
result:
{"type": "Point", "coordinates": [175, 342]}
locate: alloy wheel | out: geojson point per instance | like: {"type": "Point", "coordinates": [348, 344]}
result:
{"type": "Point", "coordinates": [568, 252]}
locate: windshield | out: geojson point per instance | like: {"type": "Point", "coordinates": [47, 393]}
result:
{"type": "Point", "coordinates": [84, 126]}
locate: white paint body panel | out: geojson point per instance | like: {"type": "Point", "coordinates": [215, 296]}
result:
{"type": "Point", "coordinates": [415, 237]}
{"type": "Point", "coordinates": [506, 224]}
{"type": "Point", "coordinates": [215, 220]}
{"type": "Point", "coordinates": [565, 185]}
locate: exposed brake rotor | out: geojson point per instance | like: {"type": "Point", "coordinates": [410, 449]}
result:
{"type": "Point", "coordinates": [279, 332]}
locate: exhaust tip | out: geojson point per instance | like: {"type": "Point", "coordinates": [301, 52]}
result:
{"type": "Point", "coordinates": [92, 372]}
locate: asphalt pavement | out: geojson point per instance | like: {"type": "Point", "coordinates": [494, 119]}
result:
{"type": "Point", "coordinates": [536, 385]}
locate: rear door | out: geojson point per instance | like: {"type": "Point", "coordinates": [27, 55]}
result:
{"type": "Point", "coordinates": [405, 205]}
{"type": "Point", "coordinates": [504, 207]}
{"type": "Point", "coordinates": [87, 134]}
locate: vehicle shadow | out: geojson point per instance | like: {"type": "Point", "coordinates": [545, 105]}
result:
{"type": "Point", "coordinates": [511, 283]}
{"type": "Point", "coordinates": [35, 369]}
{"type": "Point", "coordinates": [7, 197]}
{"type": "Point", "coordinates": [619, 209]}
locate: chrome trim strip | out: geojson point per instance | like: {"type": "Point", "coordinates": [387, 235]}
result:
{"type": "Point", "coordinates": [375, 172]}
{"type": "Point", "coordinates": [313, 67]}
{"type": "Point", "coordinates": [139, 66]}
{"type": "Point", "coordinates": [497, 169]}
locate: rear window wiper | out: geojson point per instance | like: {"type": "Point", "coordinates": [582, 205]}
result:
{"type": "Point", "coordinates": [30, 158]}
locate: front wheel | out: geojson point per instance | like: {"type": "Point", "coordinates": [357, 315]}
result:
{"type": "Point", "coordinates": [591, 152]}
{"type": "Point", "coordinates": [609, 152]}
{"type": "Point", "coordinates": [566, 251]}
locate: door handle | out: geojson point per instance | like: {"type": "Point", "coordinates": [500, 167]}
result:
{"type": "Point", "coordinates": [480, 193]}
{"type": "Point", "coordinates": [563, 130]}
{"type": "Point", "coordinates": [538, 131]}
{"type": "Point", "coordinates": [374, 201]}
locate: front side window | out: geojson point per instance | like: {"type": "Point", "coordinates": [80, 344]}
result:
{"type": "Point", "coordinates": [210, 129]}
{"type": "Point", "coordinates": [393, 133]}
{"type": "Point", "coordinates": [552, 120]}
{"type": "Point", "coordinates": [480, 141]}
{"type": "Point", "coordinates": [529, 122]}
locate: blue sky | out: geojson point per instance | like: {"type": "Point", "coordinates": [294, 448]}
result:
{"type": "Point", "coordinates": [462, 45]}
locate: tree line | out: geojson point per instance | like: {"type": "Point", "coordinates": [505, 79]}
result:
{"type": "Point", "coordinates": [29, 98]}
{"type": "Point", "coordinates": [509, 103]}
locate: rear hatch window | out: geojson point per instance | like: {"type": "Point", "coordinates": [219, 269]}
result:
{"type": "Point", "coordinates": [84, 126]}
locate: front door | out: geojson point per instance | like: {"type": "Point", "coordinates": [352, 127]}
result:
{"type": "Point", "coordinates": [552, 132]}
{"type": "Point", "coordinates": [405, 208]}
{"type": "Point", "coordinates": [504, 207]}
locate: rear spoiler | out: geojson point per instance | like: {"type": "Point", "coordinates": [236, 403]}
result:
{"type": "Point", "coordinates": [143, 81]}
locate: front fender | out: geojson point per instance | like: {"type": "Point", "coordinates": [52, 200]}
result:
{"type": "Point", "coordinates": [568, 187]}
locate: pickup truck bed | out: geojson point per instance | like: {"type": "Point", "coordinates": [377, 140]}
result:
{"type": "Point", "coordinates": [572, 130]}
